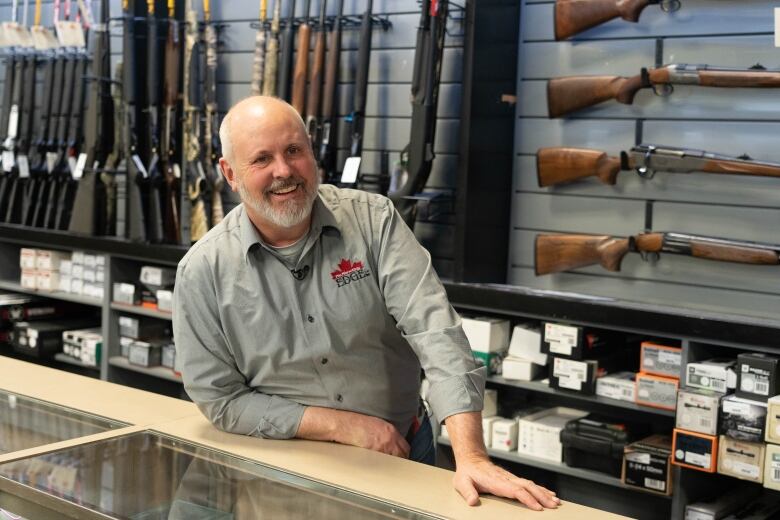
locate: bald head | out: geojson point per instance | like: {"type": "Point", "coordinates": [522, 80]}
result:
{"type": "Point", "coordinates": [247, 113]}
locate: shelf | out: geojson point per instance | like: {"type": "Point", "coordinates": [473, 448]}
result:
{"type": "Point", "coordinates": [161, 372]}
{"type": "Point", "coordinates": [57, 295]}
{"type": "Point", "coordinates": [143, 311]}
{"type": "Point", "coordinates": [556, 467]}
{"type": "Point", "coordinates": [64, 358]}
{"type": "Point", "coordinates": [538, 386]}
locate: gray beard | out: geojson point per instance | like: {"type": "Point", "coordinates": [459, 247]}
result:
{"type": "Point", "coordinates": [288, 214]}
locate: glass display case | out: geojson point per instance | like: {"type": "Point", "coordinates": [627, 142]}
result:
{"type": "Point", "coordinates": [28, 423]}
{"type": "Point", "coordinates": [146, 475]}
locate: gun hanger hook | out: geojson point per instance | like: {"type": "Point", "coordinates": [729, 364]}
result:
{"type": "Point", "coordinates": [645, 171]}
{"type": "Point", "coordinates": [670, 6]}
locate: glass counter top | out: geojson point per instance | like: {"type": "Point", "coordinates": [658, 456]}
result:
{"type": "Point", "coordinates": [28, 423]}
{"type": "Point", "coordinates": [148, 476]}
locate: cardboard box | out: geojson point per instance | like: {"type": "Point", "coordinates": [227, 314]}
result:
{"type": "Point", "coordinates": [126, 293]}
{"type": "Point", "coordinates": [526, 344]}
{"type": "Point", "coordinates": [164, 300]}
{"type": "Point", "coordinates": [29, 279]}
{"type": "Point", "coordinates": [64, 282]}
{"type": "Point", "coordinates": [539, 434]}
{"type": "Point", "coordinates": [27, 258]}
{"type": "Point", "coordinates": [91, 349]}
{"type": "Point", "coordinates": [563, 340]}
{"type": "Point", "coordinates": [76, 285]}
{"type": "Point", "coordinates": [47, 281]}
{"type": "Point", "coordinates": [168, 356]}
{"type": "Point", "coordinates": [740, 459]}
{"type": "Point", "coordinates": [490, 403]}
{"type": "Point", "coordinates": [773, 420]}
{"type": "Point", "coordinates": [487, 429]}
{"type": "Point", "coordinates": [660, 360]}
{"type": "Point", "coordinates": [757, 376]}
{"type": "Point", "coordinates": [65, 267]}
{"type": "Point", "coordinates": [519, 369]}
{"type": "Point", "coordinates": [772, 467]}
{"type": "Point", "coordinates": [504, 436]}
{"type": "Point", "coordinates": [695, 450]}
{"type": "Point", "coordinates": [77, 258]}
{"type": "Point", "coordinates": [717, 375]}
{"type": "Point", "coordinates": [50, 260]}
{"type": "Point", "coordinates": [88, 274]}
{"type": "Point", "coordinates": [697, 411]}
{"type": "Point", "coordinates": [90, 260]}
{"type": "Point", "coordinates": [570, 374]}
{"type": "Point", "coordinates": [656, 391]}
{"type": "Point", "coordinates": [141, 329]}
{"type": "Point", "coordinates": [486, 334]}
{"type": "Point", "coordinates": [722, 504]}
{"type": "Point", "coordinates": [762, 508]}
{"type": "Point", "coordinates": [124, 345]}
{"type": "Point", "coordinates": [647, 465]}
{"type": "Point", "coordinates": [157, 277]}
{"type": "Point", "coordinates": [100, 260]}
{"type": "Point", "coordinates": [145, 354]}
{"type": "Point", "coordinates": [620, 386]}
{"type": "Point", "coordinates": [742, 419]}
{"type": "Point", "coordinates": [491, 360]}
{"type": "Point", "coordinates": [77, 271]}
{"type": "Point", "coordinates": [100, 275]}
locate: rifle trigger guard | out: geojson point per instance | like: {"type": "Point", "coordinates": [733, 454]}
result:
{"type": "Point", "coordinates": [670, 6]}
{"type": "Point", "coordinates": [645, 171]}
{"type": "Point", "coordinates": [663, 89]}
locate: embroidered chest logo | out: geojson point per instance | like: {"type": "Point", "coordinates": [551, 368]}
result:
{"type": "Point", "coordinates": [348, 271]}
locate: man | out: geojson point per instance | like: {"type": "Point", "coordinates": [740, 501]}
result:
{"type": "Point", "coordinates": [309, 311]}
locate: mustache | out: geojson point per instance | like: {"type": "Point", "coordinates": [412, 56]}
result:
{"type": "Point", "coordinates": [281, 184]}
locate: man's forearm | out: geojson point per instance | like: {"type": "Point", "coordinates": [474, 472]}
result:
{"type": "Point", "coordinates": [465, 432]}
{"type": "Point", "coordinates": [320, 424]}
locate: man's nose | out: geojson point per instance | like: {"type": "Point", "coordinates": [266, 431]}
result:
{"type": "Point", "coordinates": [283, 168]}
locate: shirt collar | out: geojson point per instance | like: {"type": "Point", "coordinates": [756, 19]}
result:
{"type": "Point", "coordinates": [323, 216]}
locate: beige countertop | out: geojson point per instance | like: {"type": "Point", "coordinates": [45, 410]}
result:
{"type": "Point", "coordinates": [410, 484]}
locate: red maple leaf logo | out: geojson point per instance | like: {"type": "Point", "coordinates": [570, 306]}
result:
{"type": "Point", "coordinates": [345, 267]}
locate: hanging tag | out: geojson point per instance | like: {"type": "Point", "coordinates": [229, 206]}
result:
{"type": "Point", "coordinates": [78, 171]}
{"type": "Point", "coordinates": [51, 161]}
{"type": "Point", "coordinates": [71, 165]}
{"type": "Point", "coordinates": [13, 122]}
{"type": "Point", "coordinates": [70, 34]}
{"type": "Point", "coordinates": [10, 34]}
{"type": "Point", "coordinates": [351, 169]}
{"type": "Point", "coordinates": [140, 166]}
{"type": "Point", "coordinates": [43, 38]}
{"type": "Point", "coordinates": [8, 160]}
{"type": "Point", "coordinates": [24, 166]}
{"type": "Point", "coordinates": [176, 171]}
{"type": "Point", "coordinates": [777, 26]}
{"type": "Point", "coordinates": [23, 37]}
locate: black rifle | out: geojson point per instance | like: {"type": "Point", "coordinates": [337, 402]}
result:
{"type": "Point", "coordinates": [314, 97]}
{"type": "Point", "coordinates": [99, 133]}
{"type": "Point", "coordinates": [136, 173]}
{"type": "Point", "coordinates": [168, 141]}
{"type": "Point", "coordinates": [328, 143]}
{"type": "Point", "coordinates": [21, 171]}
{"type": "Point", "coordinates": [152, 185]}
{"type": "Point", "coordinates": [211, 137]}
{"type": "Point", "coordinates": [286, 56]}
{"type": "Point", "coordinates": [73, 145]}
{"type": "Point", "coordinates": [39, 182]}
{"type": "Point", "coordinates": [47, 197]}
{"type": "Point", "coordinates": [418, 154]}
{"type": "Point", "coordinates": [358, 116]}
{"type": "Point", "coordinates": [8, 97]}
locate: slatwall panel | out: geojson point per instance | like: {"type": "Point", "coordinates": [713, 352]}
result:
{"type": "Point", "coordinates": [730, 121]}
{"type": "Point", "coordinates": [388, 108]}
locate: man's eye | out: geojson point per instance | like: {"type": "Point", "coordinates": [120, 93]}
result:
{"type": "Point", "coordinates": [263, 159]}
{"type": "Point", "coordinates": [293, 150]}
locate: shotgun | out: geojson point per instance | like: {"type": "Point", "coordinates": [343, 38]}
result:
{"type": "Point", "coordinates": [301, 72]}
{"type": "Point", "coordinates": [557, 253]}
{"type": "Point", "coordinates": [569, 94]}
{"type": "Point", "coordinates": [562, 165]}
{"type": "Point", "coordinates": [328, 138]}
{"type": "Point", "coordinates": [272, 53]}
{"type": "Point", "coordinates": [286, 56]}
{"type": "Point", "coordinates": [314, 95]}
{"type": "Point", "coordinates": [258, 62]}
{"type": "Point", "coordinates": [575, 16]}
{"type": "Point", "coordinates": [168, 141]}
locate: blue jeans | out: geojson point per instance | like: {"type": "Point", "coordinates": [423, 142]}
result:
{"type": "Point", "coordinates": [422, 444]}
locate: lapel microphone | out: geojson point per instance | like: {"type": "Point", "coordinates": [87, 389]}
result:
{"type": "Point", "coordinates": [300, 274]}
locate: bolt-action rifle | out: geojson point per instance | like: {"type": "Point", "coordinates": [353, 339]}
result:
{"type": "Point", "coordinates": [286, 56]}
{"type": "Point", "coordinates": [557, 253]}
{"type": "Point", "coordinates": [271, 53]}
{"type": "Point", "coordinates": [300, 74]}
{"type": "Point", "coordinates": [168, 141]}
{"type": "Point", "coordinates": [569, 94]}
{"type": "Point", "coordinates": [258, 61]}
{"type": "Point", "coordinates": [328, 144]}
{"type": "Point", "coordinates": [213, 171]}
{"type": "Point", "coordinates": [562, 165]}
{"type": "Point", "coordinates": [314, 95]}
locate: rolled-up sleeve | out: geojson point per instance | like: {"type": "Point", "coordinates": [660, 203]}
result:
{"type": "Point", "coordinates": [208, 369]}
{"type": "Point", "coordinates": [417, 300]}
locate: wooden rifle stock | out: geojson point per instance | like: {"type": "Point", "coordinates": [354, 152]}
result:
{"type": "Point", "coordinates": [575, 16]}
{"type": "Point", "coordinates": [258, 62]}
{"type": "Point", "coordinates": [566, 95]}
{"type": "Point", "coordinates": [556, 253]}
{"type": "Point", "coordinates": [315, 84]}
{"type": "Point", "coordinates": [271, 54]}
{"type": "Point", "coordinates": [561, 165]}
{"type": "Point", "coordinates": [301, 71]}
{"type": "Point", "coordinates": [171, 172]}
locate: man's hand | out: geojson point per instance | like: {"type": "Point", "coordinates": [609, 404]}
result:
{"type": "Point", "coordinates": [476, 474]}
{"type": "Point", "coordinates": [355, 429]}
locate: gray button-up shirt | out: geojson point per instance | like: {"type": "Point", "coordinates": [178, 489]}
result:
{"type": "Point", "coordinates": [348, 328]}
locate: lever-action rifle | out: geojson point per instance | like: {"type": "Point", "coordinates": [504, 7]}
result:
{"type": "Point", "coordinates": [562, 165]}
{"type": "Point", "coordinates": [557, 253]}
{"type": "Point", "coordinates": [575, 16]}
{"type": "Point", "coordinates": [418, 155]}
{"type": "Point", "coordinates": [328, 139]}
{"type": "Point", "coordinates": [569, 94]}
{"type": "Point", "coordinates": [271, 53]}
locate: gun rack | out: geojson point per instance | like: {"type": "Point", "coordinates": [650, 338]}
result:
{"type": "Point", "coordinates": [348, 22]}
{"type": "Point", "coordinates": [432, 204]}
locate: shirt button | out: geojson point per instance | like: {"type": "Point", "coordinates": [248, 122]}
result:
{"type": "Point", "coordinates": [310, 318]}
{"type": "Point", "coordinates": [339, 398]}
{"type": "Point", "coordinates": [324, 361]}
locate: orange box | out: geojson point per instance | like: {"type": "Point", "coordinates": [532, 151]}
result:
{"type": "Point", "coordinates": [660, 360]}
{"type": "Point", "coordinates": [656, 391]}
{"type": "Point", "coordinates": [695, 450]}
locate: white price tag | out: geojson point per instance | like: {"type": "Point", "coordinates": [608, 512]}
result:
{"type": "Point", "coordinates": [8, 160]}
{"type": "Point", "coordinates": [70, 34]}
{"type": "Point", "coordinates": [24, 166]}
{"type": "Point", "coordinates": [13, 121]}
{"type": "Point", "coordinates": [51, 161]}
{"type": "Point", "coordinates": [667, 357]}
{"type": "Point", "coordinates": [639, 457]}
{"type": "Point", "coordinates": [747, 470]}
{"type": "Point", "coordinates": [78, 169]}
{"type": "Point", "coordinates": [43, 38]}
{"type": "Point", "coordinates": [140, 166]}
{"type": "Point", "coordinates": [736, 408]}
{"type": "Point", "coordinates": [698, 459]}
{"type": "Point", "coordinates": [351, 170]}
{"type": "Point", "coordinates": [777, 26]}
{"type": "Point", "coordinates": [562, 338]}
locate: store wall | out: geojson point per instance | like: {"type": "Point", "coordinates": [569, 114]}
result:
{"type": "Point", "coordinates": [729, 121]}
{"type": "Point", "coordinates": [388, 108]}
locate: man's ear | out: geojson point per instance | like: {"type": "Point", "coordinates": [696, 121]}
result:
{"type": "Point", "coordinates": [229, 173]}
